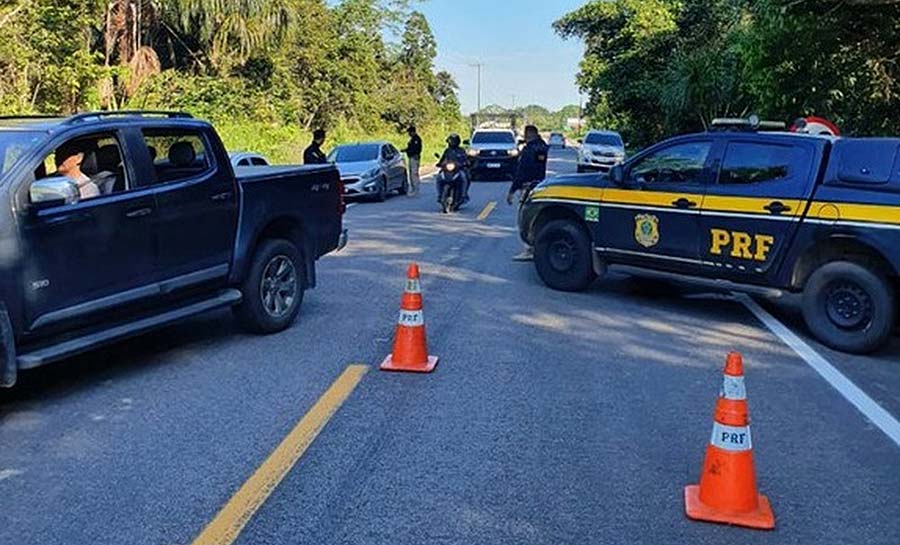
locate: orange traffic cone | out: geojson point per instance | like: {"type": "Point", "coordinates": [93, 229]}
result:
{"type": "Point", "coordinates": [727, 490]}
{"type": "Point", "coordinates": [410, 347]}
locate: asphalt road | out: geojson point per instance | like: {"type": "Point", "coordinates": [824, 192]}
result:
{"type": "Point", "coordinates": [551, 419]}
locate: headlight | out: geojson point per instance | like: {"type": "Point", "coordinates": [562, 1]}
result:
{"type": "Point", "coordinates": [514, 152]}
{"type": "Point", "coordinates": [471, 152]}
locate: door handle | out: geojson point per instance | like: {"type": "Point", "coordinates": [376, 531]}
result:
{"type": "Point", "coordinates": [777, 208]}
{"type": "Point", "coordinates": [684, 203]}
{"type": "Point", "coordinates": [222, 196]}
{"type": "Point", "coordinates": [139, 213]}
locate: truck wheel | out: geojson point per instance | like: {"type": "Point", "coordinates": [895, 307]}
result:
{"type": "Point", "coordinates": [563, 256]}
{"type": "Point", "coordinates": [849, 307]}
{"type": "Point", "coordinates": [273, 288]}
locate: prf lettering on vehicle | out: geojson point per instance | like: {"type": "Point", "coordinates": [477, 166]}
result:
{"type": "Point", "coordinates": [740, 245]}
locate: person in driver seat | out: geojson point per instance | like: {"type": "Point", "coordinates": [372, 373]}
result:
{"type": "Point", "coordinates": [69, 158]}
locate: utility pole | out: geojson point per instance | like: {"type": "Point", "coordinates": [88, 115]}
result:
{"type": "Point", "coordinates": [477, 66]}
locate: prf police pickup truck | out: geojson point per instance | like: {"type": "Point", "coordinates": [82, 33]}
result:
{"type": "Point", "coordinates": [742, 209]}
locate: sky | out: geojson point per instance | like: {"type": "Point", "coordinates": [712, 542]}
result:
{"type": "Point", "coordinates": [524, 60]}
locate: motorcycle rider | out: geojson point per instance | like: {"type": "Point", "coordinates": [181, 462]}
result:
{"type": "Point", "coordinates": [531, 171]}
{"type": "Point", "coordinates": [455, 154]}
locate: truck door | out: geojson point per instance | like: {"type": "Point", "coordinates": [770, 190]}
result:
{"type": "Point", "coordinates": [657, 224]}
{"type": "Point", "coordinates": [92, 254]}
{"type": "Point", "coordinates": [198, 205]}
{"type": "Point", "coordinates": [752, 211]}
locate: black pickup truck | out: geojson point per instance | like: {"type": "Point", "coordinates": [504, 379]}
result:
{"type": "Point", "coordinates": [115, 223]}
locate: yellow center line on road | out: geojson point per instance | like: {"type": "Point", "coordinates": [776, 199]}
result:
{"type": "Point", "coordinates": [231, 519]}
{"type": "Point", "coordinates": [487, 210]}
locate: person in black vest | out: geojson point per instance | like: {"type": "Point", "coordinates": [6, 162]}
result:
{"type": "Point", "coordinates": [413, 151]}
{"type": "Point", "coordinates": [313, 155]}
{"type": "Point", "coordinates": [531, 171]}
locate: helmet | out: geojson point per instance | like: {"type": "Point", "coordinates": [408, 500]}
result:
{"type": "Point", "coordinates": [454, 140]}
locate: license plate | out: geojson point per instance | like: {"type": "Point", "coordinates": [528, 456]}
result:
{"type": "Point", "coordinates": [493, 165]}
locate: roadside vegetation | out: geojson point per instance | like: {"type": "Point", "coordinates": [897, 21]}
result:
{"type": "Point", "coordinates": [267, 72]}
{"type": "Point", "coordinates": [653, 68]}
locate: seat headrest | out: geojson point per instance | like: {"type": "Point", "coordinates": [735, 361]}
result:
{"type": "Point", "coordinates": [108, 157]}
{"type": "Point", "coordinates": [182, 154]}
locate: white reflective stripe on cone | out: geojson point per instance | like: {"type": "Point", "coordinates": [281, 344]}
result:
{"type": "Point", "coordinates": [733, 438]}
{"type": "Point", "coordinates": [413, 286]}
{"type": "Point", "coordinates": [733, 388]}
{"type": "Point", "coordinates": [412, 318]}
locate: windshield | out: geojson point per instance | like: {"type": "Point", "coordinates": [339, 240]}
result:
{"type": "Point", "coordinates": [15, 144]}
{"type": "Point", "coordinates": [493, 138]}
{"type": "Point", "coordinates": [354, 154]}
{"type": "Point", "coordinates": [604, 139]}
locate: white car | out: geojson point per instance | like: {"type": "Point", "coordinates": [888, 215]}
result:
{"type": "Point", "coordinates": [600, 151]}
{"type": "Point", "coordinates": [557, 140]}
{"type": "Point", "coordinates": [247, 159]}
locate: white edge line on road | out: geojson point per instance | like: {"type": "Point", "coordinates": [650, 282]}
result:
{"type": "Point", "coordinates": [851, 392]}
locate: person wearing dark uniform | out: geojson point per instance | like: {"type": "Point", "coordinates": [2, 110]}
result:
{"type": "Point", "coordinates": [413, 151]}
{"type": "Point", "coordinates": [532, 170]}
{"type": "Point", "coordinates": [313, 155]}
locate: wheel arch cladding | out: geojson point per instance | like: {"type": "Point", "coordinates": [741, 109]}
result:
{"type": "Point", "coordinates": [840, 248]}
{"type": "Point", "coordinates": [552, 213]}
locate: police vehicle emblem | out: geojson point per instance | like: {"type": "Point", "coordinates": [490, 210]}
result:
{"type": "Point", "coordinates": [646, 230]}
{"type": "Point", "coordinates": [592, 213]}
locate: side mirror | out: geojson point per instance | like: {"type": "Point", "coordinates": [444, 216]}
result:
{"type": "Point", "coordinates": [53, 191]}
{"type": "Point", "coordinates": [522, 142]}
{"type": "Point", "coordinates": [467, 143]}
{"type": "Point", "coordinates": [617, 176]}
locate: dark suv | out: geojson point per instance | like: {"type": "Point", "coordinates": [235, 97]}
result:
{"type": "Point", "coordinates": [116, 223]}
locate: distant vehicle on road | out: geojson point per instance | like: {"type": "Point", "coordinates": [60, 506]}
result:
{"type": "Point", "coordinates": [371, 169]}
{"type": "Point", "coordinates": [739, 208]}
{"type": "Point", "coordinates": [493, 154]}
{"type": "Point", "coordinates": [600, 151]}
{"type": "Point", "coordinates": [557, 140]}
{"type": "Point", "coordinates": [247, 159]}
{"type": "Point", "coordinates": [118, 223]}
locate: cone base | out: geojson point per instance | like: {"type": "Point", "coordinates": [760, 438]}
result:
{"type": "Point", "coordinates": [761, 519]}
{"type": "Point", "coordinates": [389, 365]}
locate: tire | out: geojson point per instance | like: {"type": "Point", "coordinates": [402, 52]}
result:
{"type": "Point", "coordinates": [447, 199]}
{"type": "Point", "coordinates": [404, 186]}
{"type": "Point", "coordinates": [257, 312]}
{"type": "Point", "coordinates": [563, 256]}
{"type": "Point", "coordinates": [849, 307]}
{"type": "Point", "coordinates": [381, 196]}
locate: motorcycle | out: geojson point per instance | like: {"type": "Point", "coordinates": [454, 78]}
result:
{"type": "Point", "coordinates": [449, 183]}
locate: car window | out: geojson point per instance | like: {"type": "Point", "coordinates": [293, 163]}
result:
{"type": "Point", "coordinates": [258, 161]}
{"type": "Point", "coordinates": [600, 139]}
{"type": "Point", "coordinates": [243, 163]}
{"type": "Point", "coordinates": [676, 164]}
{"type": "Point", "coordinates": [94, 164]}
{"type": "Point", "coordinates": [14, 145]}
{"type": "Point", "coordinates": [386, 152]}
{"type": "Point", "coordinates": [178, 154]}
{"type": "Point", "coordinates": [498, 137]}
{"type": "Point", "coordinates": [354, 153]}
{"type": "Point", "coordinates": [751, 162]}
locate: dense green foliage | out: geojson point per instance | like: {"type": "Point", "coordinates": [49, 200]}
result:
{"type": "Point", "coordinates": [657, 67]}
{"type": "Point", "coordinates": [266, 72]}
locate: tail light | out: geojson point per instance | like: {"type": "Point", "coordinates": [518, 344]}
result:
{"type": "Point", "coordinates": [342, 206]}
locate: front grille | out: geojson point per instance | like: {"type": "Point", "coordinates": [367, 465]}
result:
{"type": "Point", "coordinates": [493, 153]}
